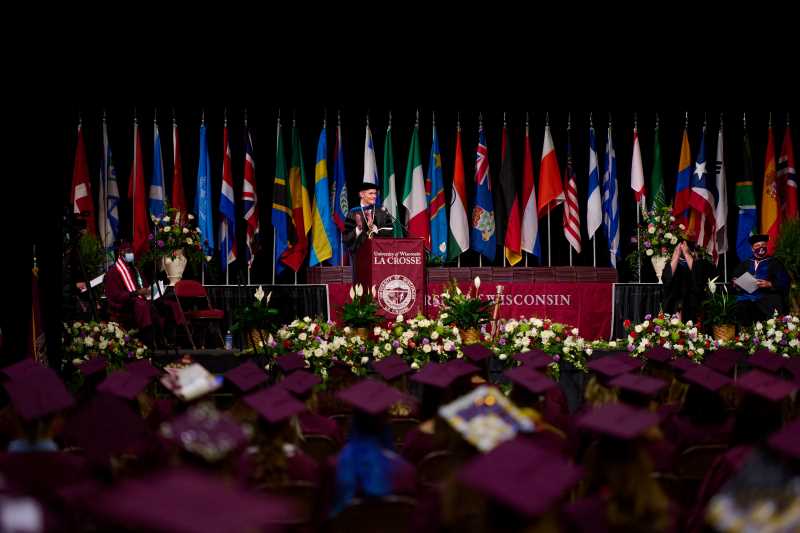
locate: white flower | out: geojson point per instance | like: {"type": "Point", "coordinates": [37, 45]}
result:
{"type": "Point", "coordinates": [376, 331]}
{"type": "Point", "coordinates": [638, 328]}
{"type": "Point", "coordinates": [671, 218]}
{"type": "Point", "coordinates": [139, 351]}
{"type": "Point", "coordinates": [502, 356]}
{"type": "Point", "coordinates": [612, 344]}
{"type": "Point", "coordinates": [415, 365]}
{"type": "Point", "coordinates": [443, 316]}
{"type": "Point", "coordinates": [387, 347]}
{"type": "Point", "coordinates": [307, 320]}
{"type": "Point", "coordinates": [399, 319]}
{"type": "Point", "coordinates": [259, 293]}
{"type": "Point", "coordinates": [448, 346]}
{"type": "Point", "coordinates": [103, 344]}
{"type": "Point", "coordinates": [759, 326]}
{"type": "Point", "coordinates": [426, 348]}
{"type": "Point", "coordinates": [302, 336]}
{"type": "Point", "coordinates": [190, 216]}
{"type": "Point", "coordinates": [89, 341]}
{"type": "Point", "coordinates": [778, 335]}
{"type": "Point", "coordinates": [445, 296]}
{"type": "Point", "coordinates": [399, 350]}
{"type": "Point", "coordinates": [673, 241]}
{"type": "Point", "coordinates": [664, 333]}
{"type": "Point", "coordinates": [347, 330]}
{"type": "Point", "coordinates": [575, 332]}
{"type": "Point", "coordinates": [793, 343]}
{"type": "Point", "coordinates": [537, 322]}
{"type": "Point", "coordinates": [318, 352]}
{"type": "Point", "coordinates": [668, 235]}
{"type": "Point", "coordinates": [352, 294]}
{"type": "Point", "coordinates": [374, 292]}
{"type": "Point", "coordinates": [359, 290]}
{"type": "Point", "coordinates": [674, 322]}
{"type": "Point", "coordinates": [434, 335]}
{"type": "Point", "coordinates": [701, 351]}
{"type": "Point", "coordinates": [588, 351]}
{"type": "Point", "coordinates": [458, 291]}
{"type": "Point", "coordinates": [188, 240]}
{"type": "Point", "coordinates": [649, 252]}
{"type": "Point", "coordinates": [678, 347]}
{"type": "Point", "coordinates": [364, 360]}
{"type": "Point", "coordinates": [77, 362]}
{"type": "Point", "coordinates": [186, 230]}
{"type": "Point", "coordinates": [477, 282]}
{"type": "Point", "coordinates": [165, 219]}
{"type": "Point", "coordinates": [681, 226]}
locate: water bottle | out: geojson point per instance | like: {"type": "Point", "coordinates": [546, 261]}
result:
{"type": "Point", "coordinates": [229, 341]}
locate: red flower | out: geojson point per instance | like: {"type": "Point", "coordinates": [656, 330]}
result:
{"type": "Point", "coordinates": [708, 344]}
{"type": "Point", "coordinates": [690, 353]}
{"type": "Point", "coordinates": [632, 334]}
{"type": "Point", "coordinates": [287, 344]}
{"type": "Point", "coordinates": [626, 324]}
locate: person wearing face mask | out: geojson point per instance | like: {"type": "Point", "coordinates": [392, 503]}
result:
{"type": "Point", "coordinates": [685, 278]}
{"type": "Point", "coordinates": [773, 284]}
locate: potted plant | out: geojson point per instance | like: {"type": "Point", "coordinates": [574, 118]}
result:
{"type": "Point", "coordinates": [174, 243]}
{"type": "Point", "coordinates": [361, 312]}
{"type": "Point", "coordinates": [786, 251]}
{"type": "Point", "coordinates": [466, 311]}
{"type": "Point", "coordinates": [257, 321]}
{"type": "Point", "coordinates": [659, 234]}
{"type": "Point", "coordinates": [719, 309]}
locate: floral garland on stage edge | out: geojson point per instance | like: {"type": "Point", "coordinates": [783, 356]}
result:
{"type": "Point", "coordinates": [418, 340]}
{"type": "Point", "coordinates": [779, 334]}
{"type": "Point", "coordinates": [668, 331]}
{"type": "Point", "coordinates": [84, 340]}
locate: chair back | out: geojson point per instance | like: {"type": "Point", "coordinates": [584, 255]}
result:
{"type": "Point", "coordinates": [434, 468]}
{"type": "Point", "coordinates": [188, 288]}
{"type": "Point", "coordinates": [390, 514]}
{"type": "Point", "coordinates": [320, 447]}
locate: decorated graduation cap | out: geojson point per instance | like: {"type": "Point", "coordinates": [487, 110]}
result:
{"type": "Point", "coordinates": [246, 376]}
{"type": "Point", "coordinates": [206, 432]}
{"type": "Point", "coordinates": [485, 418]}
{"type": "Point", "coordinates": [190, 382]}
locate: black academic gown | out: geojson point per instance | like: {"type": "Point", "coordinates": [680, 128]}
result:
{"type": "Point", "coordinates": [765, 301]}
{"type": "Point", "coordinates": [684, 289]}
{"type": "Point", "coordinates": [356, 220]}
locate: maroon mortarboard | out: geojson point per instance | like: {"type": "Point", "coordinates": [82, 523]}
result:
{"type": "Point", "coordinates": [246, 376]}
{"type": "Point", "coordinates": [93, 366]}
{"type": "Point", "coordinates": [204, 431]}
{"type": "Point", "coordinates": [618, 420]}
{"type": "Point", "coordinates": [766, 360]}
{"type": "Point", "coordinates": [658, 354]}
{"type": "Point", "coordinates": [535, 359]}
{"type": "Point", "coordinates": [442, 375]}
{"type": "Point", "coordinates": [124, 385]}
{"type": "Point", "coordinates": [520, 475]}
{"type": "Point", "coordinates": [765, 385]}
{"type": "Point", "coordinates": [529, 379]}
{"type": "Point", "coordinates": [634, 363]}
{"type": "Point", "coordinates": [143, 367]}
{"type": "Point", "coordinates": [609, 367]}
{"type": "Point", "coordinates": [300, 382]}
{"type": "Point", "coordinates": [792, 365]}
{"type": "Point", "coordinates": [787, 440]}
{"type": "Point", "coordinates": [291, 362]}
{"type": "Point", "coordinates": [274, 404]}
{"type": "Point", "coordinates": [723, 360]}
{"type": "Point", "coordinates": [372, 397]}
{"type": "Point", "coordinates": [190, 501]}
{"type": "Point", "coordinates": [705, 377]}
{"type": "Point", "coordinates": [682, 364]}
{"type": "Point", "coordinates": [644, 385]}
{"type": "Point", "coordinates": [41, 394]}
{"type": "Point", "coordinates": [476, 352]}
{"type": "Point", "coordinates": [391, 367]}
{"type": "Point", "coordinates": [21, 369]}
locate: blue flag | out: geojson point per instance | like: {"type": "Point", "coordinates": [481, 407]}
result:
{"type": "Point", "coordinates": [436, 201]}
{"type": "Point", "coordinates": [157, 184]}
{"type": "Point", "coordinates": [202, 198]}
{"type": "Point", "coordinates": [482, 235]}
{"type": "Point", "coordinates": [611, 201]}
{"type": "Point", "coordinates": [323, 228]}
{"type": "Point", "coordinates": [339, 196]}
{"type": "Point", "coordinates": [109, 196]}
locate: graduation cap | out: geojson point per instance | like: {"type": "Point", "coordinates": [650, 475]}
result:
{"type": "Point", "coordinates": [300, 382]}
{"type": "Point", "coordinates": [42, 394]}
{"type": "Point", "coordinates": [682, 364]}
{"type": "Point", "coordinates": [144, 368]}
{"type": "Point", "coordinates": [370, 396]}
{"type": "Point", "coordinates": [93, 366]}
{"type": "Point", "coordinates": [609, 367]}
{"type": "Point", "coordinates": [246, 376]}
{"type": "Point", "coordinates": [787, 440]}
{"type": "Point", "coordinates": [529, 379]}
{"type": "Point", "coordinates": [442, 375]}
{"type": "Point", "coordinates": [706, 378]}
{"type": "Point", "coordinates": [476, 352]}
{"type": "Point", "coordinates": [758, 238]}
{"type": "Point", "coordinates": [190, 501]}
{"type": "Point", "coordinates": [190, 382]}
{"type": "Point", "coordinates": [765, 385]}
{"type": "Point", "coordinates": [291, 362]}
{"type": "Point", "coordinates": [21, 369]}
{"type": "Point", "coordinates": [274, 404]}
{"type": "Point", "coordinates": [485, 418]}
{"type": "Point", "coordinates": [643, 385]}
{"type": "Point", "coordinates": [521, 476]}
{"type": "Point", "coordinates": [391, 367]}
{"type": "Point", "coordinates": [204, 431]}
{"type": "Point", "coordinates": [723, 360]}
{"type": "Point", "coordinates": [618, 420]}
{"type": "Point", "coordinates": [658, 354]}
{"type": "Point", "coordinates": [766, 360]}
{"type": "Point", "coordinates": [535, 359]}
{"type": "Point", "coordinates": [125, 385]}
{"type": "Point", "coordinates": [367, 186]}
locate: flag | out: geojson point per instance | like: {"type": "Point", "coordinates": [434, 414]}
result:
{"type": "Point", "coordinates": [721, 216]}
{"type": "Point", "coordinates": [202, 198]}
{"type": "Point", "coordinates": [136, 193]}
{"type": "Point", "coordinates": [637, 174]}
{"type": "Point", "coordinates": [594, 204]}
{"type": "Point", "coordinates": [227, 207]}
{"type": "Point", "coordinates": [414, 194]}
{"type": "Point", "coordinates": [434, 188]}
{"type": "Point", "coordinates": [746, 202]}
{"type": "Point", "coordinates": [389, 188]}
{"type": "Point", "coordinates": [109, 196]}
{"type": "Point", "coordinates": [178, 195]}
{"type": "Point", "coordinates": [301, 207]}
{"type": "Point", "coordinates": [680, 207]}
{"type": "Point", "coordinates": [281, 209]}
{"type": "Point", "coordinates": [370, 165]}
{"type": "Point", "coordinates": [572, 216]}
{"type": "Point", "coordinates": [611, 200]}
{"type": "Point", "coordinates": [458, 239]}
{"type": "Point", "coordinates": [157, 195]}
{"type": "Point", "coordinates": [81, 197]}
{"type": "Point", "coordinates": [37, 346]}
{"type": "Point", "coordinates": [482, 235]}
{"type": "Point", "coordinates": [770, 212]}
{"type": "Point", "coordinates": [510, 223]}
{"type": "Point", "coordinates": [324, 237]}
{"type": "Point", "coordinates": [551, 191]}
{"type": "Point", "coordinates": [530, 220]}
{"type": "Point", "coordinates": [339, 196]}
{"type": "Point", "coordinates": [787, 177]}
{"type": "Point", "coordinates": [250, 198]}
{"type": "Point", "coordinates": [702, 203]}
{"type": "Point", "coordinates": [657, 177]}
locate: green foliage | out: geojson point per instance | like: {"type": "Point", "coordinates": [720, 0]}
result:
{"type": "Point", "coordinates": [172, 234]}
{"type": "Point", "coordinates": [257, 315]}
{"type": "Point", "coordinates": [362, 310]}
{"type": "Point", "coordinates": [92, 254]}
{"type": "Point", "coordinates": [719, 307]}
{"type": "Point", "coordinates": [464, 310]}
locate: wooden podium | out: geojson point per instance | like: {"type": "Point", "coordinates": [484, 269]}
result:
{"type": "Point", "coordinates": [396, 267]}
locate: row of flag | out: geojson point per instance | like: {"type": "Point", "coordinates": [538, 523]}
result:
{"type": "Point", "coordinates": [308, 220]}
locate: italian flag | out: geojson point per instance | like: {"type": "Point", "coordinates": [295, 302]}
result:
{"type": "Point", "coordinates": [414, 198]}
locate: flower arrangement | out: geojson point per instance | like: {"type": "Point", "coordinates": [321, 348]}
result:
{"type": "Point", "coordinates": [660, 233]}
{"type": "Point", "coordinates": [175, 234]}
{"type": "Point", "coordinates": [719, 307]}
{"type": "Point", "coordinates": [258, 321]}
{"type": "Point", "coordinates": [671, 333]}
{"type": "Point", "coordinates": [561, 341]}
{"type": "Point", "coordinates": [85, 340]}
{"type": "Point", "coordinates": [362, 309]}
{"type": "Point", "coordinates": [418, 341]}
{"type": "Point", "coordinates": [465, 311]}
{"type": "Point", "coordinates": [779, 334]}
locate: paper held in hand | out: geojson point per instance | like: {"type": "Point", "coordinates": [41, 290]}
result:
{"type": "Point", "coordinates": [747, 282]}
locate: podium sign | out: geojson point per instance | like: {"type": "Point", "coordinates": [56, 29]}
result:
{"type": "Point", "coordinates": [396, 267]}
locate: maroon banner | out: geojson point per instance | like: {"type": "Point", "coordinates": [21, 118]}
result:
{"type": "Point", "coordinates": [586, 306]}
{"type": "Point", "coordinates": [396, 268]}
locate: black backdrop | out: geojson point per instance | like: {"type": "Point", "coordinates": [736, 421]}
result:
{"type": "Point", "coordinates": [52, 152]}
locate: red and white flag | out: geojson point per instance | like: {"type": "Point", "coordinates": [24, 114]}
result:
{"type": "Point", "coordinates": [81, 194]}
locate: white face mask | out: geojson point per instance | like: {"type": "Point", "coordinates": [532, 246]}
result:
{"type": "Point", "coordinates": [129, 257]}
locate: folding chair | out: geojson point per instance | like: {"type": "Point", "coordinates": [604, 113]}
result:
{"type": "Point", "coordinates": [201, 312]}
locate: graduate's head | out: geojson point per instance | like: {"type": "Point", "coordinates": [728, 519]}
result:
{"type": "Point", "coordinates": [368, 193]}
{"type": "Point", "coordinates": [125, 251]}
{"type": "Point", "coordinates": [759, 245]}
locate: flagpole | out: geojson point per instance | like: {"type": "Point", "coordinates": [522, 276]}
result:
{"type": "Point", "coordinates": [294, 125]}
{"type": "Point", "coordinates": [638, 208]}
{"type": "Point", "coordinates": [204, 263]}
{"type": "Point", "coordinates": [502, 245]}
{"type": "Point", "coordinates": [227, 243]}
{"type": "Point", "coordinates": [549, 247]}
{"type": "Point", "coordinates": [250, 259]}
{"type": "Point", "coordinates": [274, 230]}
{"type": "Point", "coordinates": [133, 177]}
{"type": "Point", "coordinates": [480, 125]}
{"type": "Point", "coordinates": [105, 190]}
{"type": "Point", "coordinates": [569, 127]}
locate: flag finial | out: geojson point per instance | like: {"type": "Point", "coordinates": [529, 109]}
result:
{"type": "Point", "coordinates": [635, 120]}
{"type": "Point", "coordinates": [417, 120]}
{"type": "Point", "coordinates": [591, 121]}
{"type": "Point", "coordinates": [338, 117]}
{"type": "Point", "coordinates": [770, 119]}
{"type": "Point", "coordinates": [480, 119]}
{"type": "Point", "coordinates": [686, 120]}
{"type": "Point", "coordinates": [203, 117]}
{"type": "Point", "coordinates": [279, 116]}
{"type": "Point", "coordinates": [721, 119]}
{"type": "Point", "coordinates": [294, 118]}
{"type": "Point", "coordinates": [705, 118]}
{"type": "Point", "coordinates": [458, 120]}
{"type": "Point", "coordinates": [225, 117]}
{"type": "Point", "coordinates": [609, 119]}
{"type": "Point", "coordinates": [155, 115]}
{"type": "Point", "coordinates": [569, 120]}
{"type": "Point", "coordinates": [245, 117]}
{"type": "Point", "coordinates": [787, 119]}
{"type": "Point", "coordinates": [135, 116]}
{"type": "Point", "coordinates": [547, 119]}
{"type": "Point", "coordinates": [744, 119]}
{"type": "Point", "coordinates": [324, 117]}
{"type": "Point", "coordinates": [104, 116]}
{"type": "Point", "coordinates": [174, 119]}
{"type": "Point", "coordinates": [390, 119]}
{"type": "Point", "coordinates": [505, 123]}
{"type": "Point", "coordinates": [658, 120]}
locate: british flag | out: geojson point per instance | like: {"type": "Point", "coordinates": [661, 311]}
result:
{"type": "Point", "coordinates": [250, 198]}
